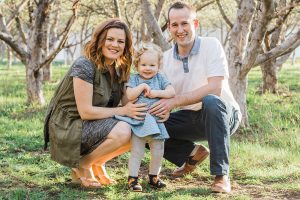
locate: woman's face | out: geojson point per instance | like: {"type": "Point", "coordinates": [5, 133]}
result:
{"type": "Point", "coordinates": [114, 45]}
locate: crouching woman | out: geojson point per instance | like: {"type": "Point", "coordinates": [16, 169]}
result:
{"type": "Point", "coordinates": [79, 123]}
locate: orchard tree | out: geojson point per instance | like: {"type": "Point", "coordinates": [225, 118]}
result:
{"type": "Point", "coordinates": [31, 52]}
{"type": "Point", "coordinates": [245, 44]}
{"type": "Point", "coordinates": [284, 23]}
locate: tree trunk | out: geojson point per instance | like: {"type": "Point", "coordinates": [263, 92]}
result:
{"type": "Point", "coordinates": [294, 58]}
{"type": "Point", "coordinates": [239, 90]}
{"type": "Point", "coordinates": [270, 70]}
{"type": "Point", "coordinates": [84, 31]}
{"type": "Point", "coordinates": [32, 56]}
{"type": "Point", "coordinates": [269, 74]}
{"type": "Point", "coordinates": [158, 9]}
{"type": "Point", "coordinates": [152, 26]}
{"type": "Point", "coordinates": [144, 35]}
{"type": "Point", "coordinates": [281, 60]}
{"type": "Point", "coordinates": [34, 81]}
{"type": "Point", "coordinates": [46, 45]}
{"type": "Point", "coordinates": [9, 58]}
{"type": "Point", "coordinates": [238, 42]}
{"type": "Point", "coordinates": [2, 50]}
{"type": "Point", "coordinates": [47, 72]}
{"type": "Point", "coordinates": [117, 9]}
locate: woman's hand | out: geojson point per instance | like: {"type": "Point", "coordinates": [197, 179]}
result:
{"type": "Point", "coordinates": [135, 111]}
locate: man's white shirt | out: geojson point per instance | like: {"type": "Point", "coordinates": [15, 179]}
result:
{"type": "Point", "coordinates": [210, 61]}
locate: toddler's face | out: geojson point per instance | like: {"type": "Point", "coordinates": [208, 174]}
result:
{"type": "Point", "coordinates": [148, 65]}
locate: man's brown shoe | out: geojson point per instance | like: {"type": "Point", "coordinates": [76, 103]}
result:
{"type": "Point", "coordinates": [221, 184]}
{"type": "Point", "coordinates": [192, 161]}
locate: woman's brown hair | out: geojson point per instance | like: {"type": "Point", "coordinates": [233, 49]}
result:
{"type": "Point", "coordinates": [93, 48]}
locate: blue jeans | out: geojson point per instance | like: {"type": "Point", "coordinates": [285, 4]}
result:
{"type": "Point", "coordinates": [215, 122]}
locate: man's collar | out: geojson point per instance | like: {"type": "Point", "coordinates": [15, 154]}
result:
{"type": "Point", "coordinates": [195, 49]}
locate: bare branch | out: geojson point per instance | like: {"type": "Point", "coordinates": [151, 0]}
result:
{"type": "Point", "coordinates": [21, 30]}
{"type": "Point", "coordinates": [117, 9]}
{"type": "Point", "coordinates": [226, 19]}
{"type": "Point", "coordinates": [75, 44]}
{"type": "Point", "coordinates": [226, 38]}
{"type": "Point", "coordinates": [30, 12]}
{"type": "Point", "coordinates": [8, 39]}
{"type": "Point", "coordinates": [158, 9]}
{"type": "Point", "coordinates": [3, 26]}
{"type": "Point", "coordinates": [66, 31]}
{"type": "Point", "coordinates": [285, 9]}
{"type": "Point", "coordinates": [97, 11]}
{"type": "Point", "coordinates": [238, 2]}
{"type": "Point", "coordinates": [84, 29]}
{"type": "Point", "coordinates": [153, 26]}
{"type": "Point", "coordinates": [203, 4]}
{"type": "Point", "coordinates": [291, 30]}
{"type": "Point", "coordinates": [133, 10]}
{"type": "Point", "coordinates": [239, 34]}
{"type": "Point", "coordinates": [281, 19]}
{"type": "Point", "coordinates": [16, 12]}
{"type": "Point", "coordinates": [287, 46]}
{"type": "Point", "coordinates": [264, 18]}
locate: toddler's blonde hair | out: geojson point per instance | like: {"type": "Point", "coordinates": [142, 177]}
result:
{"type": "Point", "coordinates": [144, 47]}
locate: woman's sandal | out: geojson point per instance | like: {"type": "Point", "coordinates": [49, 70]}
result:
{"type": "Point", "coordinates": [101, 175]}
{"type": "Point", "coordinates": [82, 180]}
{"type": "Point", "coordinates": [74, 175]}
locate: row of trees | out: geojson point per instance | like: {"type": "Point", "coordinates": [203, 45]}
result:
{"type": "Point", "coordinates": [256, 33]}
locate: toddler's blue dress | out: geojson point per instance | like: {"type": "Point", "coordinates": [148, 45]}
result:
{"type": "Point", "coordinates": [149, 126]}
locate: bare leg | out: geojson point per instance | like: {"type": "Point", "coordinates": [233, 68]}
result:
{"type": "Point", "coordinates": [99, 167]}
{"type": "Point", "coordinates": [117, 138]}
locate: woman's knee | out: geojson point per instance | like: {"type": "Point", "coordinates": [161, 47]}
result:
{"type": "Point", "coordinates": [121, 133]}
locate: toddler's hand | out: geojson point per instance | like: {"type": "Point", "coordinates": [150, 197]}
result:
{"type": "Point", "coordinates": [152, 94]}
{"type": "Point", "coordinates": [147, 90]}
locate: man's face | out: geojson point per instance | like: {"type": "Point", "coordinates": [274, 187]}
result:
{"type": "Point", "coordinates": [182, 26]}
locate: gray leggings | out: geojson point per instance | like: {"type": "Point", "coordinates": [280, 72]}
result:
{"type": "Point", "coordinates": [137, 153]}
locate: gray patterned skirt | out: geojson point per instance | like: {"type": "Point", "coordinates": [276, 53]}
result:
{"type": "Point", "coordinates": [94, 132]}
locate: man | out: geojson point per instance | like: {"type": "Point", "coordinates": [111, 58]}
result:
{"type": "Point", "coordinates": [197, 69]}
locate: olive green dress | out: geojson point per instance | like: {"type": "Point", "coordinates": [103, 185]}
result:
{"type": "Point", "coordinates": [69, 136]}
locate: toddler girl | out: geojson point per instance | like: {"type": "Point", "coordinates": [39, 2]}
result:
{"type": "Point", "coordinates": [148, 86]}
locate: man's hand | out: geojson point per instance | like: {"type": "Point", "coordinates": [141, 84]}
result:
{"type": "Point", "coordinates": [164, 117]}
{"type": "Point", "coordinates": [162, 107]}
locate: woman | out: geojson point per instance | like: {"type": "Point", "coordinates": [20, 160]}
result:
{"type": "Point", "coordinates": [79, 122]}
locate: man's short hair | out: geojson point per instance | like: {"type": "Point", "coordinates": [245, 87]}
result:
{"type": "Point", "coordinates": [181, 5]}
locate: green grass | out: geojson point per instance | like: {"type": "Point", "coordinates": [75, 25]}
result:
{"type": "Point", "coordinates": [265, 157]}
